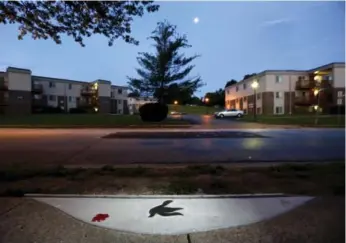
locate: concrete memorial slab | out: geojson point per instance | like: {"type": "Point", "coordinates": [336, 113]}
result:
{"type": "Point", "coordinates": [172, 215]}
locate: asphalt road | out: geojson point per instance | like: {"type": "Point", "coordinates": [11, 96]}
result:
{"type": "Point", "coordinates": [87, 147]}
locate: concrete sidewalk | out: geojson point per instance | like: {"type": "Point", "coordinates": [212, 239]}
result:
{"type": "Point", "coordinates": [24, 220]}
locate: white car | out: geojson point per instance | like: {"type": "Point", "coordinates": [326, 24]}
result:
{"type": "Point", "coordinates": [229, 113]}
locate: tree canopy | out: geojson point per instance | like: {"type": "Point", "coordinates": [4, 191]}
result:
{"type": "Point", "coordinates": [231, 82]}
{"type": "Point", "coordinates": [167, 69]}
{"type": "Point", "coordinates": [216, 98]}
{"type": "Point", "coordinates": [79, 19]}
{"type": "Point", "coordinates": [246, 76]}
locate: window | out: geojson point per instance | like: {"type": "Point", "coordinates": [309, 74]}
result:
{"type": "Point", "coordinates": [237, 88]}
{"type": "Point", "coordinates": [112, 94]}
{"type": "Point", "coordinates": [52, 98]}
{"type": "Point", "coordinates": [278, 79]}
{"type": "Point", "coordinates": [70, 99]}
{"type": "Point", "coordinates": [278, 110]}
{"type": "Point", "coordinates": [244, 86]}
{"type": "Point", "coordinates": [69, 86]}
{"type": "Point", "coordinates": [119, 102]}
{"type": "Point", "coordinates": [51, 85]}
{"type": "Point", "coordinates": [245, 99]}
{"type": "Point", "coordinates": [258, 110]}
{"type": "Point", "coordinates": [120, 91]}
{"type": "Point", "coordinates": [278, 94]}
{"type": "Point", "coordinates": [227, 91]}
{"type": "Point", "coordinates": [37, 97]}
{"type": "Point", "coordinates": [339, 101]}
{"type": "Point", "coordinates": [245, 111]}
{"type": "Point", "coordinates": [258, 96]}
{"type": "Point", "coordinates": [340, 93]}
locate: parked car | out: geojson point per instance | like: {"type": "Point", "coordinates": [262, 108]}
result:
{"type": "Point", "coordinates": [229, 113]}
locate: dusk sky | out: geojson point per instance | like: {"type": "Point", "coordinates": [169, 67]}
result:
{"type": "Point", "coordinates": [233, 38]}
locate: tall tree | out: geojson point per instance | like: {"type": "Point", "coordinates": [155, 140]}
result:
{"type": "Point", "coordinates": [79, 19]}
{"type": "Point", "coordinates": [231, 82]}
{"type": "Point", "coordinates": [216, 98]}
{"type": "Point", "coordinates": [246, 76]}
{"type": "Point", "coordinates": [166, 66]}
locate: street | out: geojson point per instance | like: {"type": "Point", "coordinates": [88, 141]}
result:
{"type": "Point", "coordinates": [87, 147]}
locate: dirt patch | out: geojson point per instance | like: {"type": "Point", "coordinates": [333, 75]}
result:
{"type": "Point", "coordinates": [309, 179]}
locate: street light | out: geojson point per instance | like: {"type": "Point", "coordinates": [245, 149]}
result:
{"type": "Point", "coordinates": [175, 102]}
{"type": "Point", "coordinates": [206, 100]}
{"type": "Point", "coordinates": [317, 107]}
{"type": "Point", "coordinates": [254, 86]}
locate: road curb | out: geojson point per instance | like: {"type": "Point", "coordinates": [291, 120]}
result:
{"type": "Point", "coordinates": [197, 196]}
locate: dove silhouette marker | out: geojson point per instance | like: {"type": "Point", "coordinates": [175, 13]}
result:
{"type": "Point", "coordinates": [164, 211]}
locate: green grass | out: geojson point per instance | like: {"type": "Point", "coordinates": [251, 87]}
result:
{"type": "Point", "coordinates": [199, 110]}
{"type": "Point", "coordinates": [88, 120]}
{"type": "Point", "coordinates": [332, 120]}
{"type": "Point", "coordinates": [308, 179]}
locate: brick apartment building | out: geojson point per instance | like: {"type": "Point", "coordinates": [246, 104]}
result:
{"type": "Point", "coordinates": [22, 93]}
{"type": "Point", "coordinates": [290, 91]}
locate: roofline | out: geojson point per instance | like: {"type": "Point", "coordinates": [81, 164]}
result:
{"type": "Point", "coordinates": [258, 75]}
{"type": "Point", "coordinates": [60, 80]}
{"type": "Point", "coordinates": [329, 65]}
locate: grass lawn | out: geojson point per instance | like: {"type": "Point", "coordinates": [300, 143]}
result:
{"type": "Point", "coordinates": [307, 179]}
{"type": "Point", "coordinates": [87, 120]}
{"type": "Point", "coordinates": [332, 121]}
{"type": "Point", "coordinates": [200, 110]}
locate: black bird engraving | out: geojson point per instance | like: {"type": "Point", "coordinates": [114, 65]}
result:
{"type": "Point", "coordinates": [164, 211]}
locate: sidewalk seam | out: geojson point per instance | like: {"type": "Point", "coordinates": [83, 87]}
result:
{"type": "Point", "coordinates": [12, 208]}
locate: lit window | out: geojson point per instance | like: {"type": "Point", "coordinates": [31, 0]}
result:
{"type": "Point", "coordinates": [278, 94]}
{"type": "Point", "coordinates": [278, 110]}
{"type": "Point", "coordinates": [340, 93]}
{"type": "Point", "coordinates": [339, 101]}
{"type": "Point", "coordinates": [278, 79]}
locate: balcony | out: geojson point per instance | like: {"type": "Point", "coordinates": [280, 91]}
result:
{"type": "Point", "coordinates": [305, 84]}
{"type": "Point", "coordinates": [88, 92]}
{"type": "Point", "coordinates": [3, 86]}
{"type": "Point", "coordinates": [37, 88]}
{"type": "Point", "coordinates": [305, 101]}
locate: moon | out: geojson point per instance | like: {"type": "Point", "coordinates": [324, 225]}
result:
{"type": "Point", "coordinates": [196, 20]}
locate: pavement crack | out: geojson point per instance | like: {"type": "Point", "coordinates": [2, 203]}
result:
{"type": "Point", "coordinates": [74, 155]}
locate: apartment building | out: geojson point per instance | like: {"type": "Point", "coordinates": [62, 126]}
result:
{"type": "Point", "coordinates": [24, 93]}
{"type": "Point", "coordinates": [290, 91]}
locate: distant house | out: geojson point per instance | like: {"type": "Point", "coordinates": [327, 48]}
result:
{"type": "Point", "coordinates": [135, 102]}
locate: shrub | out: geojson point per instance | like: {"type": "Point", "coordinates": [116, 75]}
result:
{"type": "Point", "coordinates": [77, 110]}
{"type": "Point", "coordinates": [47, 109]}
{"type": "Point", "coordinates": [153, 112]}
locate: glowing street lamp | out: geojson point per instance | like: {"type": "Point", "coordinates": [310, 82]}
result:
{"type": "Point", "coordinates": [206, 100]}
{"type": "Point", "coordinates": [254, 86]}
{"type": "Point", "coordinates": [175, 102]}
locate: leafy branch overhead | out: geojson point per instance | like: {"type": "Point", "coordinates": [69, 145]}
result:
{"type": "Point", "coordinates": [79, 19]}
{"type": "Point", "coordinates": [166, 66]}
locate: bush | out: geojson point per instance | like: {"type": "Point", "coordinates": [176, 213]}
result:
{"type": "Point", "coordinates": [153, 112]}
{"type": "Point", "coordinates": [77, 110]}
{"type": "Point", "coordinates": [48, 110]}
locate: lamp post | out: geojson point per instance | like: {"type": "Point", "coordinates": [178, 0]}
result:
{"type": "Point", "coordinates": [206, 100]}
{"type": "Point", "coordinates": [317, 107]}
{"type": "Point", "coordinates": [254, 86]}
